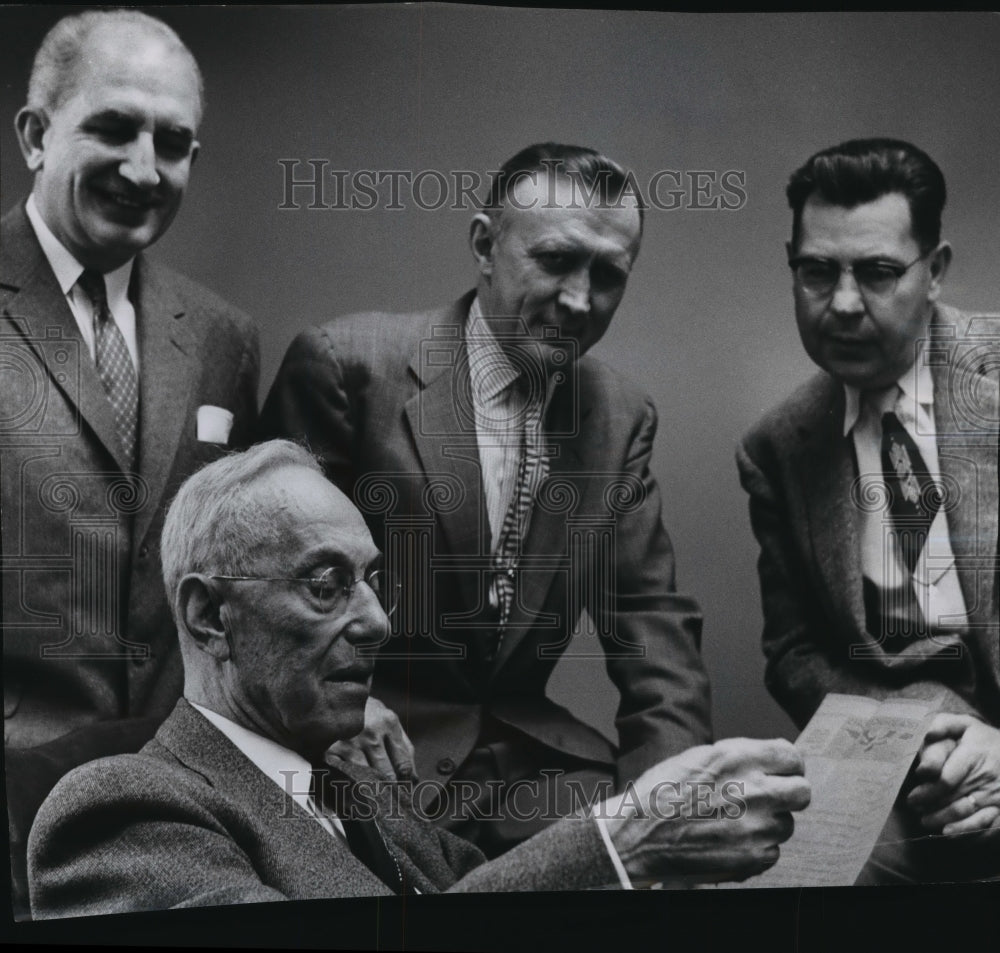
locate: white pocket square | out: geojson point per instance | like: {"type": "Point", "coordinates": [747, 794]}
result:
{"type": "Point", "coordinates": [214, 424]}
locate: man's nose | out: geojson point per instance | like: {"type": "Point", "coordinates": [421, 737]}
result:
{"type": "Point", "coordinates": [574, 294]}
{"type": "Point", "coordinates": [139, 164]}
{"type": "Point", "coordinates": [847, 297]}
{"type": "Point", "coordinates": [367, 621]}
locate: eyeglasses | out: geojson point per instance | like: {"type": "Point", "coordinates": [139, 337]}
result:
{"type": "Point", "coordinates": [819, 276]}
{"type": "Point", "coordinates": [333, 588]}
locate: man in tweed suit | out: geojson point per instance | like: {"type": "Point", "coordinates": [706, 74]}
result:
{"type": "Point", "coordinates": [279, 594]}
{"type": "Point", "coordinates": [120, 378]}
{"type": "Point", "coordinates": [107, 403]}
{"type": "Point", "coordinates": [873, 491]}
{"type": "Point", "coordinates": [514, 467]}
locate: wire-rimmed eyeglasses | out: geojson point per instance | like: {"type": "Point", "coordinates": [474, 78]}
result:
{"type": "Point", "coordinates": [333, 588]}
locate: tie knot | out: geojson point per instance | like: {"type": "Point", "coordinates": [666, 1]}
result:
{"type": "Point", "coordinates": [891, 424]}
{"type": "Point", "coordinates": [92, 283]}
{"type": "Point", "coordinates": [883, 401]}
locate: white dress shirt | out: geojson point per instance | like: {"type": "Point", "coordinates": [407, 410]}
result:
{"type": "Point", "coordinates": [68, 270]}
{"type": "Point", "coordinates": [498, 414]}
{"type": "Point", "coordinates": [286, 768]}
{"type": "Point", "coordinates": [935, 576]}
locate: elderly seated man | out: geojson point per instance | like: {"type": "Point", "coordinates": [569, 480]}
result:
{"type": "Point", "coordinates": [280, 601]}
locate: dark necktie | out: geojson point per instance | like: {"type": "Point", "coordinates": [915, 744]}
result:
{"type": "Point", "coordinates": [914, 498]}
{"type": "Point", "coordinates": [331, 791]}
{"type": "Point", "coordinates": [532, 470]}
{"type": "Point", "coordinates": [114, 365]}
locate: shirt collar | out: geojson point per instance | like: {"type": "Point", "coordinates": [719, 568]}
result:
{"type": "Point", "coordinates": [66, 268]}
{"type": "Point", "coordinates": [287, 768]}
{"type": "Point", "coordinates": [490, 369]}
{"type": "Point", "coordinates": [916, 383]}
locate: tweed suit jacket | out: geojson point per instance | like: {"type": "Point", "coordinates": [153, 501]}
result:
{"type": "Point", "coordinates": [798, 467]}
{"type": "Point", "coordinates": [86, 627]}
{"type": "Point", "coordinates": [190, 821]}
{"type": "Point", "coordinates": [385, 401]}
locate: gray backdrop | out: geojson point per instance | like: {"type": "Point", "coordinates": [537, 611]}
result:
{"type": "Point", "coordinates": [706, 325]}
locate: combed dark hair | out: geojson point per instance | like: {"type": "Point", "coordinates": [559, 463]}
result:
{"type": "Point", "coordinates": [53, 74]}
{"type": "Point", "coordinates": [863, 170]}
{"type": "Point", "coordinates": [595, 172]}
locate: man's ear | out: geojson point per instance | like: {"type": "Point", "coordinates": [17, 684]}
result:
{"type": "Point", "coordinates": [31, 124]}
{"type": "Point", "coordinates": [939, 260]}
{"type": "Point", "coordinates": [199, 611]}
{"type": "Point", "coordinates": [481, 241]}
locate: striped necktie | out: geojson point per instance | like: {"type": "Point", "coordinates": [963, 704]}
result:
{"type": "Point", "coordinates": [532, 471]}
{"type": "Point", "coordinates": [114, 364]}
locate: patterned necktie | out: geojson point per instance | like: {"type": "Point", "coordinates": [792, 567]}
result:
{"type": "Point", "coordinates": [914, 498]}
{"type": "Point", "coordinates": [532, 470]}
{"type": "Point", "coordinates": [114, 364]}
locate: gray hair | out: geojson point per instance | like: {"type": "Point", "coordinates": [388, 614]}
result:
{"type": "Point", "coordinates": [54, 73]}
{"type": "Point", "coordinates": [219, 522]}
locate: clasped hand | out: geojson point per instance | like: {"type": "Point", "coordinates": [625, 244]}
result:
{"type": "Point", "coordinates": [958, 776]}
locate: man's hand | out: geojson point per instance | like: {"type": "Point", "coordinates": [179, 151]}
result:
{"type": "Point", "coordinates": [381, 745]}
{"type": "Point", "coordinates": [959, 775]}
{"type": "Point", "coordinates": [715, 812]}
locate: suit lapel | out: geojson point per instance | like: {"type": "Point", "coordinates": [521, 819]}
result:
{"type": "Point", "coordinates": [169, 362]}
{"type": "Point", "coordinates": [41, 314]}
{"type": "Point", "coordinates": [826, 470]}
{"type": "Point", "coordinates": [967, 457]}
{"type": "Point", "coordinates": [442, 427]}
{"type": "Point", "coordinates": [324, 865]}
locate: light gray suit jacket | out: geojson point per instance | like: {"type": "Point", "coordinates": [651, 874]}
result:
{"type": "Point", "coordinates": [385, 400]}
{"type": "Point", "coordinates": [798, 467]}
{"type": "Point", "coordinates": [87, 630]}
{"type": "Point", "coordinates": [190, 821]}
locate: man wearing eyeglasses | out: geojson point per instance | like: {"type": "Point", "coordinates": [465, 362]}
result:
{"type": "Point", "coordinates": [279, 598]}
{"type": "Point", "coordinates": [873, 493]}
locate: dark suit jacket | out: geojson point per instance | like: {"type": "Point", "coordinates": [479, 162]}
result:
{"type": "Point", "coordinates": [798, 468]}
{"type": "Point", "coordinates": [87, 630]}
{"type": "Point", "coordinates": [190, 821]}
{"type": "Point", "coordinates": [384, 399]}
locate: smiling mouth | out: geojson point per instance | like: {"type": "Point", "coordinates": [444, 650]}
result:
{"type": "Point", "coordinates": [132, 204]}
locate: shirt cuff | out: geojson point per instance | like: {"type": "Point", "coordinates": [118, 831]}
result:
{"type": "Point", "coordinates": [616, 861]}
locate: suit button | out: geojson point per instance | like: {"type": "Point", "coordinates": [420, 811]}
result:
{"type": "Point", "coordinates": [445, 766]}
{"type": "Point", "coordinates": [143, 552]}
